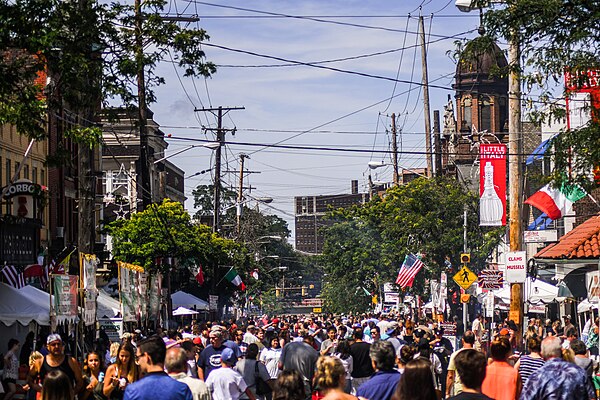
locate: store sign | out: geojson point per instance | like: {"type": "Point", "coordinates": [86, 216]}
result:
{"type": "Point", "coordinates": [491, 279]}
{"type": "Point", "coordinates": [492, 185]}
{"type": "Point", "coordinates": [391, 297]}
{"type": "Point", "coordinates": [516, 267]}
{"type": "Point", "coordinates": [542, 236]}
{"type": "Point", "coordinates": [537, 309]}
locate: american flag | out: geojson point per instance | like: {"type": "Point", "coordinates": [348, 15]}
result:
{"type": "Point", "coordinates": [13, 277]}
{"type": "Point", "coordinates": [410, 268]}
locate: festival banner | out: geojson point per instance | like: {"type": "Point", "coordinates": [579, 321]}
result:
{"type": "Point", "coordinates": [89, 307]}
{"type": "Point", "coordinates": [89, 264]}
{"type": "Point", "coordinates": [65, 296]}
{"type": "Point", "coordinates": [154, 297]}
{"type": "Point", "coordinates": [443, 293]}
{"type": "Point", "coordinates": [492, 184]}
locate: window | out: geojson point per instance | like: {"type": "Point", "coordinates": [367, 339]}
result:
{"type": "Point", "coordinates": [42, 177]}
{"type": "Point", "coordinates": [8, 171]}
{"type": "Point", "coordinates": [34, 175]}
{"type": "Point", "coordinates": [17, 172]}
{"type": "Point", "coordinates": [467, 118]}
{"type": "Point", "coordinates": [486, 114]}
{"type": "Point", "coordinates": [26, 171]}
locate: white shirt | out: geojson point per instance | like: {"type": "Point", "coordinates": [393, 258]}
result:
{"type": "Point", "coordinates": [226, 384]}
{"type": "Point", "coordinates": [199, 389]}
{"type": "Point", "coordinates": [271, 358]}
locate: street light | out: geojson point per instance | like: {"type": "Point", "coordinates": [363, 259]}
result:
{"type": "Point", "coordinates": [378, 164]}
{"type": "Point", "coordinates": [257, 258]}
{"type": "Point", "coordinates": [209, 145]}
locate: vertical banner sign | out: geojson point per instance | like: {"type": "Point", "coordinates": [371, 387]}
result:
{"type": "Point", "coordinates": [65, 296]}
{"type": "Point", "coordinates": [154, 297]}
{"type": "Point", "coordinates": [89, 309]}
{"type": "Point", "coordinates": [435, 292]}
{"type": "Point", "coordinates": [213, 302]}
{"type": "Point", "coordinates": [443, 292]}
{"type": "Point", "coordinates": [492, 185]}
{"type": "Point", "coordinates": [489, 305]}
{"type": "Point", "coordinates": [127, 310]}
{"type": "Point", "coordinates": [90, 263]}
{"type": "Point", "coordinates": [142, 289]}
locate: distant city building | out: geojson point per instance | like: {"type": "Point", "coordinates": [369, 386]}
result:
{"type": "Point", "coordinates": [310, 212]}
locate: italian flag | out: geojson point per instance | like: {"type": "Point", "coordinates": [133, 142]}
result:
{"type": "Point", "coordinates": [555, 201]}
{"type": "Point", "coordinates": [233, 277]}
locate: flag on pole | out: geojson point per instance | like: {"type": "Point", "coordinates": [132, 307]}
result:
{"type": "Point", "coordinates": [555, 201]}
{"type": "Point", "coordinates": [200, 276]}
{"type": "Point", "coordinates": [233, 277]}
{"type": "Point", "coordinates": [410, 268]}
{"type": "Point", "coordinates": [13, 277]}
{"type": "Point", "coordinates": [366, 291]}
{"type": "Point", "coordinates": [64, 264]}
{"type": "Point", "coordinates": [254, 274]}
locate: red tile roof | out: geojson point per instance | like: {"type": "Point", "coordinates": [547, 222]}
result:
{"type": "Point", "coordinates": [583, 242]}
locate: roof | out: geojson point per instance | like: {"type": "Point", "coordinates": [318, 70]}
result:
{"type": "Point", "coordinates": [579, 244]}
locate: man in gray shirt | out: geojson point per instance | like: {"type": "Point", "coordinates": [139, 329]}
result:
{"type": "Point", "coordinates": [301, 357]}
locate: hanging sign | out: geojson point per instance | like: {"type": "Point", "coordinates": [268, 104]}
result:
{"type": "Point", "coordinates": [65, 296]}
{"type": "Point", "coordinates": [492, 184]}
{"type": "Point", "coordinates": [490, 279]}
{"type": "Point", "coordinates": [516, 267]}
{"type": "Point", "coordinates": [465, 277]}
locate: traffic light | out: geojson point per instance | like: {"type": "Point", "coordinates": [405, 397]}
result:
{"type": "Point", "coordinates": [303, 290]}
{"type": "Point", "coordinates": [465, 258]}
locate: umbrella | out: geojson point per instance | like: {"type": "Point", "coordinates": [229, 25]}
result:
{"type": "Point", "coordinates": [184, 311]}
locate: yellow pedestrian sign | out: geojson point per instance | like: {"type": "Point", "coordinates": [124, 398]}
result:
{"type": "Point", "coordinates": [465, 277]}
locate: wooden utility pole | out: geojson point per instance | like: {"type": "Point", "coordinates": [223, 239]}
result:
{"type": "Point", "coordinates": [145, 186]}
{"type": "Point", "coordinates": [240, 192]}
{"type": "Point", "coordinates": [515, 144]}
{"type": "Point", "coordinates": [221, 141]}
{"type": "Point", "coordinates": [395, 150]}
{"type": "Point", "coordinates": [436, 143]}
{"type": "Point", "coordinates": [426, 98]}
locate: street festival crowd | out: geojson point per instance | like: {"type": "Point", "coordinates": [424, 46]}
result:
{"type": "Point", "coordinates": [372, 356]}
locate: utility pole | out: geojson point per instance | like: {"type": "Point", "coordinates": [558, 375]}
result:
{"type": "Point", "coordinates": [395, 150]}
{"type": "Point", "coordinates": [515, 145]}
{"type": "Point", "coordinates": [221, 141]}
{"type": "Point", "coordinates": [146, 188]}
{"type": "Point", "coordinates": [426, 98]}
{"type": "Point", "coordinates": [240, 190]}
{"type": "Point", "coordinates": [465, 305]}
{"type": "Point", "coordinates": [436, 143]}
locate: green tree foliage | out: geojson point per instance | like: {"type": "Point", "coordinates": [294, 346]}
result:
{"type": "Point", "coordinates": [89, 51]}
{"type": "Point", "coordinates": [556, 36]}
{"type": "Point", "coordinates": [366, 244]}
{"type": "Point", "coordinates": [166, 230]}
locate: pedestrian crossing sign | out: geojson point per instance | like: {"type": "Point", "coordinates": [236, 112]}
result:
{"type": "Point", "coordinates": [465, 277]}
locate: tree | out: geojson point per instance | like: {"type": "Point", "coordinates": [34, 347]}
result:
{"type": "Point", "coordinates": [555, 37]}
{"type": "Point", "coordinates": [366, 244]}
{"type": "Point", "coordinates": [166, 230]}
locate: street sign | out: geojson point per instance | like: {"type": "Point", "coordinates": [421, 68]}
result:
{"type": "Point", "coordinates": [516, 267]}
{"type": "Point", "coordinates": [391, 297]}
{"type": "Point", "coordinates": [317, 310]}
{"type": "Point", "coordinates": [489, 305]}
{"type": "Point", "coordinates": [490, 279]}
{"type": "Point", "coordinates": [465, 277]}
{"type": "Point", "coordinates": [543, 236]}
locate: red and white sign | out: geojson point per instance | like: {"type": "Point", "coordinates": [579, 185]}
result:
{"type": "Point", "coordinates": [516, 267]}
{"type": "Point", "coordinates": [490, 279]}
{"type": "Point", "coordinates": [492, 185]}
{"type": "Point", "coordinates": [583, 89]}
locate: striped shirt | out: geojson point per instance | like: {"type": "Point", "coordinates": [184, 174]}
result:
{"type": "Point", "coordinates": [528, 365]}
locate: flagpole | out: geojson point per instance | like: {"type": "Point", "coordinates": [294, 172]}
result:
{"type": "Point", "coordinates": [230, 268]}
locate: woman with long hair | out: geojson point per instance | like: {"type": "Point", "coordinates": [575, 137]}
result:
{"type": "Point", "coordinates": [57, 386]}
{"type": "Point", "coordinates": [11, 368]}
{"type": "Point", "coordinates": [330, 379]}
{"type": "Point", "coordinates": [289, 386]}
{"type": "Point", "coordinates": [342, 351]}
{"type": "Point", "coordinates": [93, 376]}
{"type": "Point", "coordinates": [502, 381]}
{"type": "Point", "coordinates": [270, 356]}
{"type": "Point", "coordinates": [123, 372]}
{"type": "Point", "coordinates": [416, 382]}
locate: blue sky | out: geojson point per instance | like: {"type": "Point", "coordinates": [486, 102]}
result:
{"type": "Point", "coordinates": [339, 110]}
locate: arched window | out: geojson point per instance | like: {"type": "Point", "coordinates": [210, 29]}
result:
{"type": "Point", "coordinates": [485, 122]}
{"type": "Point", "coordinates": [467, 120]}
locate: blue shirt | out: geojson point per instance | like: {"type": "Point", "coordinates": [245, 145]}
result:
{"type": "Point", "coordinates": [381, 386]}
{"type": "Point", "coordinates": [157, 385]}
{"type": "Point", "coordinates": [558, 380]}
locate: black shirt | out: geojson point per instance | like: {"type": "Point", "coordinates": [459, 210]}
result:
{"type": "Point", "coordinates": [470, 396]}
{"type": "Point", "coordinates": [362, 367]}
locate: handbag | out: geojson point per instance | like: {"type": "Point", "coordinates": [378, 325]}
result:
{"type": "Point", "coordinates": [262, 387]}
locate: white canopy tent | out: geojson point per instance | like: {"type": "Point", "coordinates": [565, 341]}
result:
{"type": "Point", "coordinates": [184, 311]}
{"type": "Point", "coordinates": [534, 292]}
{"type": "Point", "coordinates": [183, 299]}
{"type": "Point", "coordinates": [107, 306]}
{"type": "Point", "coordinates": [17, 306]}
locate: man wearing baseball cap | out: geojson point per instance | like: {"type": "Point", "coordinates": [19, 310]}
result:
{"type": "Point", "coordinates": [226, 383]}
{"type": "Point", "coordinates": [57, 360]}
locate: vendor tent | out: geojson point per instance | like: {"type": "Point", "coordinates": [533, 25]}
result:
{"type": "Point", "coordinates": [107, 306]}
{"type": "Point", "coordinates": [184, 311]}
{"type": "Point", "coordinates": [17, 306]}
{"type": "Point", "coordinates": [183, 299]}
{"type": "Point", "coordinates": [534, 292]}
{"type": "Point", "coordinates": [37, 295]}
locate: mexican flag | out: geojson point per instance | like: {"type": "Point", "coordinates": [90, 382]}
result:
{"type": "Point", "coordinates": [233, 277]}
{"type": "Point", "coordinates": [555, 201]}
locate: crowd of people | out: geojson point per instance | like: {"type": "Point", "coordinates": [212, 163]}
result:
{"type": "Point", "coordinates": [374, 357]}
